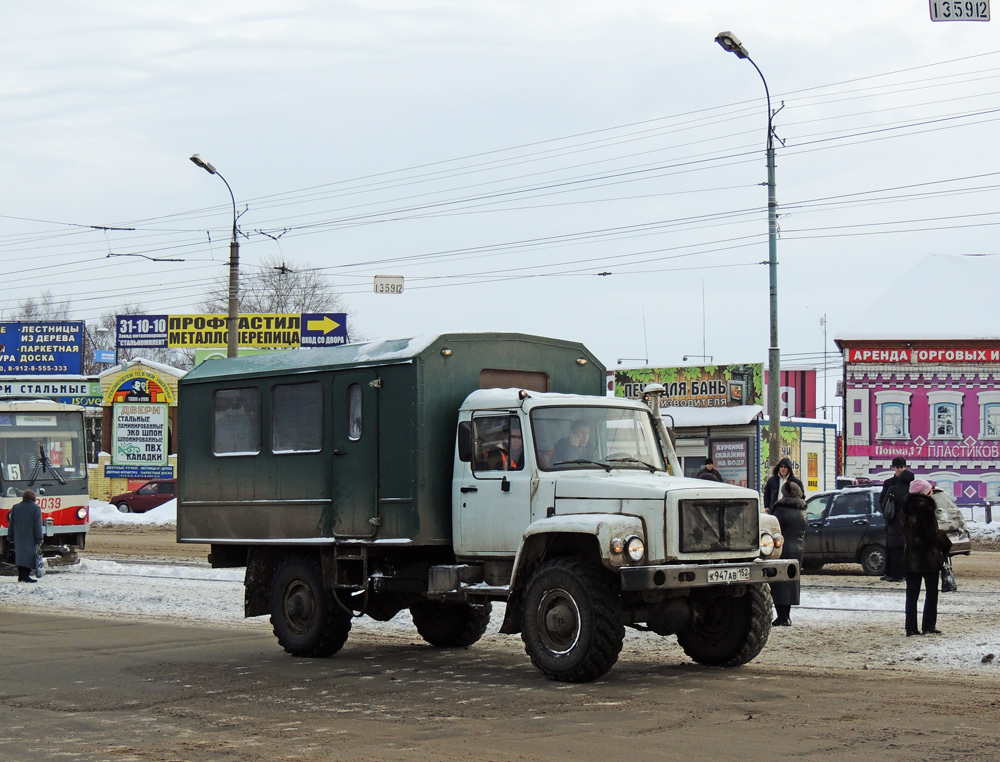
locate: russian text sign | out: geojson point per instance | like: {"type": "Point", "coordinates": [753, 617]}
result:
{"type": "Point", "coordinates": [41, 349]}
{"type": "Point", "coordinates": [285, 331]}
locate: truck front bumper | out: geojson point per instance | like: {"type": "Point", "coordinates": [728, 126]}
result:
{"type": "Point", "coordinates": [680, 576]}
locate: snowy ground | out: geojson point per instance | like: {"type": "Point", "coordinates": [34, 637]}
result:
{"type": "Point", "coordinates": [844, 621]}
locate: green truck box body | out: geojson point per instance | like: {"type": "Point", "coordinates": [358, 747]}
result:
{"type": "Point", "coordinates": [390, 480]}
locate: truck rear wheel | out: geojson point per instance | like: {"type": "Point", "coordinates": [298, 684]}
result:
{"type": "Point", "coordinates": [726, 631]}
{"type": "Point", "coordinates": [572, 621]}
{"type": "Point", "coordinates": [451, 625]}
{"type": "Point", "coordinates": [304, 616]}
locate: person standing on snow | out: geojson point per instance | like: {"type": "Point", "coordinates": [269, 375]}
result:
{"type": "Point", "coordinates": [782, 473]}
{"type": "Point", "coordinates": [791, 514]}
{"type": "Point", "coordinates": [25, 528]}
{"type": "Point", "coordinates": [924, 555]}
{"type": "Point", "coordinates": [891, 499]}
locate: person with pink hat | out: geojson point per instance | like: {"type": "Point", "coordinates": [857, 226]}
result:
{"type": "Point", "coordinates": [925, 549]}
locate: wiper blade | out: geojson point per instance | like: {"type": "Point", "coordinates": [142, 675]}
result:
{"type": "Point", "coordinates": [652, 468]}
{"type": "Point", "coordinates": [46, 463]}
{"type": "Point", "coordinates": [578, 461]}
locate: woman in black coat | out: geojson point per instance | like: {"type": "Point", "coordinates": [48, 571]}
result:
{"type": "Point", "coordinates": [791, 514]}
{"type": "Point", "coordinates": [924, 553]}
{"type": "Point", "coordinates": [782, 473]}
{"type": "Point", "coordinates": [25, 529]}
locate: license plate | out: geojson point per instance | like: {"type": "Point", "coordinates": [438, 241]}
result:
{"type": "Point", "coordinates": [740, 574]}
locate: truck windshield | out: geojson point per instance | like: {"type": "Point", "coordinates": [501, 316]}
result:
{"type": "Point", "coordinates": [595, 437]}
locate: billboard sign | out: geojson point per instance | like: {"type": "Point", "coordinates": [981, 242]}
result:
{"type": "Point", "coordinates": [41, 348]}
{"type": "Point", "coordinates": [696, 385]}
{"type": "Point", "coordinates": [287, 331]}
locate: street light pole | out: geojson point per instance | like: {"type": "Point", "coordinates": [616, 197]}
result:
{"type": "Point", "coordinates": [730, 43]}
{"type": "Point", "coordinates": [233, 318]}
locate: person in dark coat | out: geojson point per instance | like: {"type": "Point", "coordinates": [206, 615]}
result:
{"type": "Point", "coordinates": [894, 493]}
{"type": "Point", "coordinates": [25, 527]}
{"type": "Point", "coordinates": [709, 472]}
{"type": "Point", "coordinates": [924, 554]}
{"type": "Point", "coordinates": [782, 473]}
{"type": "Point", "coordinates": [791, 514]}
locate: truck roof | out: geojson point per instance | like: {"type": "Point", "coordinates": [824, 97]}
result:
{"type": "Point", "coordinates": [369, 353]}
{"type": "Point", "coordinates": [482, 399]}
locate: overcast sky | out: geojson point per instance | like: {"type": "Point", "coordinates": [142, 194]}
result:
{"type": "Point", "coordinates": [500, 155]}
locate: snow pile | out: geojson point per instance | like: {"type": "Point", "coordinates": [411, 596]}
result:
{"type": "Point", "coordinates": [106, 513]}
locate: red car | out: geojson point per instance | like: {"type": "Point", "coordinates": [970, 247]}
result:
{"type": "Point", "coordinates": [147, 497]}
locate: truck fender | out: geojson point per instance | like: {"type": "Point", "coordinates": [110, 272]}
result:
{"type": "Point", "coordinates": [586, 535]}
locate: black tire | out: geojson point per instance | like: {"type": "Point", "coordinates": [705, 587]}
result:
{"type": "Point", "coordinates": [306, 619]}
{"type": "Point", "coordinates": [873, 560]}
{"type": "Point", "coordinates": [727, 632]}
{"type": "Point", "coordinates": [123, 507]}
{"type": "Point", "coordinates": [451, 625]}
{"type": "Point", "coordinates": [572, 621]}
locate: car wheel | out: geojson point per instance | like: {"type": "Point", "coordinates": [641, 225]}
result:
{"type": "Point", "coordinates": [451, 625]}
{"type": "Point", "coordinates": [726, 631]}
{"type": "Point", "coordinates": [572, 619]}
{"type": "Point", "coordinates": [306, 619]}
{"type": "Point", "coordinates": [873, 560]}
{"type": "Point", "coordinates": [123, 507]}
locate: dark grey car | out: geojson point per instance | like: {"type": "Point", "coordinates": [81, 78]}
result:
{"type": "Point", "coordinates": [846, 526]}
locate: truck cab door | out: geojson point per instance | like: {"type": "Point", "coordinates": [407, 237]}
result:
{"type": "Point", "coordinates": [354, 471]}
{"type": "Point", "coordinates": [493, 492]}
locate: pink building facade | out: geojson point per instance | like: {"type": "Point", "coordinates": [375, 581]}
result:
{"type": "Point", "coordinates": [935, 403]}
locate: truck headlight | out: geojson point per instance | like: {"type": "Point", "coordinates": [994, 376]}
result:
{"type": "Point", "coordinates": [635, 548]}
{"type": "Point", "coordinates": [767, 544]}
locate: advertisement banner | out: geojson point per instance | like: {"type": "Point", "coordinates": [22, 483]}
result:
{"type": "Point", "coordinates": [696, 386]}
{"type": "Point", "coordinates": [732, 460]}
{"type": "Point", "coordinates": [42, 348]}
{"type": "Point", "coordinates": [286, 331]}
{"type": "Point", "coordinates": [139, 435]}
{"type": "Point", "coordinates": [937, 354]}
{"type": "Point", "coordinates": [139, 385]}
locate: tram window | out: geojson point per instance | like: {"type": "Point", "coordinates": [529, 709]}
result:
{"type": "Point", "coordinates": [297, 417]}
{"type": "Point", "coordinates": [236, 413]}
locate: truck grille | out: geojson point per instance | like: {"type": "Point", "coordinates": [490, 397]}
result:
{"type": "Point", "coordinates": [710, 525]}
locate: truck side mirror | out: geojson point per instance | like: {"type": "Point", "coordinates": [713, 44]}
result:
{"type": "Point", "coordinates": [466, 441]}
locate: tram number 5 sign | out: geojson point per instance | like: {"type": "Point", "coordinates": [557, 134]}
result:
{"type": "Point", "coordinates": [960, 10]}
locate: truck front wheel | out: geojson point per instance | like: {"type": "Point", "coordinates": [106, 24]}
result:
{"type": "Point", "coordinates": [724, 631]}
{"type": "Point", "coordinates": [305, 618]}
{"type": "Point", "coordinates": [451, 625]}
{"type": "Point", "coordinates": [572, 620]}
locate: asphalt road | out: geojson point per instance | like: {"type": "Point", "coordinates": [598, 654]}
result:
{"type": "Point", "coordinates": [92, 689]}
{"type": "Point", "coordinates": [85, 689]}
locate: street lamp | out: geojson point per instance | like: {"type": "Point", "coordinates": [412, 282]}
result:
{"type": "Point", "coordinates": [731, 43]}
{"type": "Point", "coordinates": [233, 319]}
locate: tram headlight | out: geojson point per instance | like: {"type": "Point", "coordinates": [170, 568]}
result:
{"type": "Point", "coordinates": [81, 512]}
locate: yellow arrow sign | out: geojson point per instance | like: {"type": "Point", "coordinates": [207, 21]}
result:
{"type": "Point", "coordinates": [325, 325]}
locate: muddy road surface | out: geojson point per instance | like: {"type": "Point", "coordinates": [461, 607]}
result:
{"type": "Point", "coordinates": [835, 686]}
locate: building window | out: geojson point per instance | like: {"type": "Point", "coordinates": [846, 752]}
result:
{"type": "Point", "coordinates": [893, 421]}
{"type": "Point", "coordinates": [893, 414]}
{"type": "Point", "coordinates": [944, 421]}
{"type": "Point", "coordinates": [991, 419]}
{"type": "Point", "coordinates": [946, 414]}
{"type": "Point", "coordinates": [989, 415]}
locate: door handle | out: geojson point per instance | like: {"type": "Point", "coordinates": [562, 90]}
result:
{"type": "Point", "coordinates": [340, 452]}
{"type": "Point", "coordinates": [860, 522]}
{"type": "Point", "coordinates": [466, 490]}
